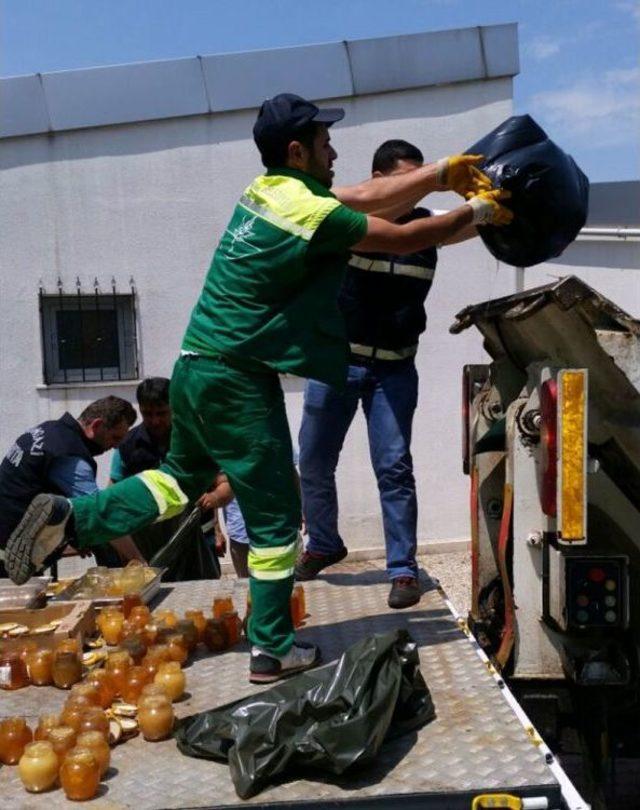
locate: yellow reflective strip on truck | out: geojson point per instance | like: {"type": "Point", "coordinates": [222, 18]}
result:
{"type": "Point", "coordinates": [572, 448]}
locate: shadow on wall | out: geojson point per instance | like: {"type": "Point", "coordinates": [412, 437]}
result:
{"type": "Point", "coordinates": [153, 136]}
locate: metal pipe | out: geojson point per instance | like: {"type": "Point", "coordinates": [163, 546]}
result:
{"type": "Point", "coordinates": [610, 233]}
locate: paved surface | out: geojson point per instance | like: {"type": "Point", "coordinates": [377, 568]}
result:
{"type": "Point", "coordinates": [475, 743]}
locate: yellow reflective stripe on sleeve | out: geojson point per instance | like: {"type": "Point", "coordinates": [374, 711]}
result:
{"type": "Point", "coordinates": [275, 562]}
{"type": "Point", "coordinates": [166, 492]}
{"type": "Point", "coordinates": [288, 204]}
{"type": "Point", "coordinates": [393, 268]}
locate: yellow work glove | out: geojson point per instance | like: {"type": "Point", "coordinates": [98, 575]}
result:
{"type": "Point", "coordinates": [460, 174]}
{"type": "Point", "coordinates": [487, 210]}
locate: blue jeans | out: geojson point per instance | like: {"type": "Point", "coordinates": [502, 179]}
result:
{"type": "Point", "coordinates": [389, 394]}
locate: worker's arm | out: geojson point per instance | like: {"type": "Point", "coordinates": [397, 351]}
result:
{"type": "Point", "coordinates": [219, 495]}
{"type": "Point", "coordinates": [468, 232]}
{"type": "Point", "coordinates": [456, 173]}
{"type": "Point", "coordinates": [389, 237]}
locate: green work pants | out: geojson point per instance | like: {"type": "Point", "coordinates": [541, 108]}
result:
{"type": "Point", "coordinates": [232, 419]}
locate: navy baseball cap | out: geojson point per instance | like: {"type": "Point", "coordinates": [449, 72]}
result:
{"type": "Point", "coordinates": [283, 115]}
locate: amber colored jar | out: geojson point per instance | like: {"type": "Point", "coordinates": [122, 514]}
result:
{"type": "Point", "coordinates": [26, 648]}
{"type": "Point", "coordinates": [67, 670]}
{"type": "Point", "coordinates": [13, 671]}
{"type": "Point", "coordinates": [68, 645]}
{"type": "Point", "coordinates": [190, 632]}
{"type": "Point", "coordinates": [199, 620]}
{"type": "Point", "coordinates": [45, 724]}
{"type": "Point", "coordinates": [106, 688]}
{"type": "Point", "coordinates": [63, 739]}
{"type": "Point", "coordinates": [136, 648]}
{"type": "Point", "coordinates": [166, 617]}
{"type": "Point", "coordinates": [99, 747]}
{"type": "Point", "coordinates": [234, 626]}
{"type": "Point", "coordinates": [152, 690]}
{"type": "Point", "coordinates": [129, 601]}
{"type": "Point", "coordinates": [216, 635]}
{"type": "Point", "coordinates": [117, 666]}
{"type": "Point", "coordinates": [88, 690]}
{"type": "Point", "coordinates": [172, 678]}
{"type": "Point", "coordinates": [38, 767]}
{"type": "Point", "coordinates": [156, 718]}
{"type": "Point", "coordinates": [178, 647]}
{"type": "Point", "coordinates": [150, 665]}
{"type": "Point", "coordinates": [110, 623]}
{"type": "Point", "coordinates": [159, 653]}
{"type": "Point", "coordinates": [299, 590]}
{"type": "Point", "coordinates": [80, 774]}
{"type": "Point", "coordinates": [14, 735]}
{"type": "Point", "coordinates": [137, 678]}
{"type": "Point", "coordinates": [140, 616]}
{"type": "Point", "coordinates": [221, 604]}
{"type": "Point", "coordinates": [94, 719]}
{"type": "Point", "coordinates": [150, 633]}
{"type": "Point", "coordinates": [298, 608]}
{"type": "Point", "coordinates": [73, 710]}
{"type": "Point", "coordinates": [40, 666]}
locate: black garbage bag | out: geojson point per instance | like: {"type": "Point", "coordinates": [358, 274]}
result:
{"type": "Point", "coordinates": [550, 194]}
{"type": "Point", "coordinates": [328, 719]}
{"type": "Point", "coordinates": [187, 555]}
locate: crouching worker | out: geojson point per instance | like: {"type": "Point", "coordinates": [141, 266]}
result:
{"type": "Point", "coordinates": [269, 305]}
{"type": "Point", "coordinates": [58, 456]}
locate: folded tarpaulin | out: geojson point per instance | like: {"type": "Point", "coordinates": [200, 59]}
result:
{"type": "Point", "coordinates": [327, 719]}
{"type": "Point", "coordinates": [549, 193]}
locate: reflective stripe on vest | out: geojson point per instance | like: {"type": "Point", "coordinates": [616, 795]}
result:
{"type": "Point", "coordinates": [169, 498]}
{"type": "Point", "coordinates": [287, 204]}
{"type": "Point", "coordinates": [394, 268]}
{"type": "Point", "coordinates": [274, 562]}
{"type": "Point", "coordinates": [383, 354]}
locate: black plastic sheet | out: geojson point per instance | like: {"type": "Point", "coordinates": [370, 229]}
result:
{"type": "Point", "coordinates": [186, 554]}
{"type": "Point", "coordinates": [328, 719]}
{"type": "Point", "coordinates": [550, 194]}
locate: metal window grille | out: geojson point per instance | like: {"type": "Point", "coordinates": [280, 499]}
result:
{"type": "Point", "coordinates": [89, 336]}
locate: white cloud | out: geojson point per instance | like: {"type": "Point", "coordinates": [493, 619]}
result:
{"type": "Point", "coordinates": [603, 111]}
{"type": "Point", "coordinates": [542, 47]}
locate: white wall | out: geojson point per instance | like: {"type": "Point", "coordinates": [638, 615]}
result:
{"type": "Point", "coordinates": [151, 200]}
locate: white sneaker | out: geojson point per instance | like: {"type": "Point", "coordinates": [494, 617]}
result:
{"type": "Point", "coordinates": [267, 668]}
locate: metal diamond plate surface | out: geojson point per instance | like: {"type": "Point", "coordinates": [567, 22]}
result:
{"type": "Point", "coordinates": [475, 743]}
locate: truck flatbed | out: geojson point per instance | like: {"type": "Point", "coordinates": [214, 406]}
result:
{"type": "Point", "coordinates": [477, 743]}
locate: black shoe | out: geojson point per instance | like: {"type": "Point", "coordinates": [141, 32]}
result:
{"type": "Point", "coordinates": [40, 532]}
{"type": "Point", "coordinates": [266, 668]}
{"type": "Point", "coordinates": [404, 593]}
{"type": "Point", "coordinates": [310, 564]}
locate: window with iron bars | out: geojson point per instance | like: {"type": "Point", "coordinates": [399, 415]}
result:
{"type": "Point", "coordinates": [88, 336]}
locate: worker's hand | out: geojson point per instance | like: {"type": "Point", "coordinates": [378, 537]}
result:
{"type": "Point", "coordinates": [487, 209]}
{"type": "Point", "coordinates": [460, 174]}
{"type": "Point", "coordinates": [208, 501]}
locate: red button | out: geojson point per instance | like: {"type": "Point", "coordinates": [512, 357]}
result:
{"type": "Point", "coordinates": [596, 574]}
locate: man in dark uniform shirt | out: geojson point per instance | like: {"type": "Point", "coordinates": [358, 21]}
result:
{"type": "Point", "coordinates": [382, 299]}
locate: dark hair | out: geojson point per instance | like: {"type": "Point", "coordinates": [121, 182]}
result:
{"type": "Point", "coordinates": [275, 155]}
{"type": "Point", "coordinates": [112, 410]}
{"type": "Point", "coordinates": [153, 391]}
{"type": "Point", "coordinates": [390, 152]}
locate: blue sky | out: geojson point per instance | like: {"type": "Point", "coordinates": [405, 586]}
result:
{"type": "Point", "coordinates": [579, 58]}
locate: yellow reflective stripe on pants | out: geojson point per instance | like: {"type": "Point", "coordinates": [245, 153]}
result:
{"type": "Point", "coordinates": [166, 492]}
{"type": "Point", "coordinates": [274, 562]}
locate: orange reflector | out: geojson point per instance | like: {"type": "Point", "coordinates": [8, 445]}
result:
{"type": "Point", "coordinates": [572, 448]}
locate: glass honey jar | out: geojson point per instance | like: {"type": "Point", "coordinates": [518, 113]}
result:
{"type": "Point", "coordinates": [99, 747]}
{"type": "Point", "coordinates": [104, 683]}
{"type": "Point", "coordinates": [150, 633]}
{"type": "Point", "coordinates": [14, 735]}
{"type": "Point", "coordinates": [63, 739]}
{"type": "Point", "coordinates": [150, 690]}
{"type": "Point", "coordinates": [188, 629]}
{"type": "Point", "coordinates": [45, 723]}
{"type": "Point", "coordinates": [129, 601]}
{"type": "Point", "coordinates": [136, 648]}
{"type": "Point", "coordinates": [110, 623]}
{"type": "Point", "coordinates": [13, 671]}
{"type": "Point", "coordinates": [178, 649]}
{"type": "Point", "coordinates": [137, 678]}
{"type": "Point", "coordinates": [26, 648]}
{"type": "Point", "coordinates": [216, 636]}
{"type": "Point", "coordinates": [156, 718]}
{"type": "Point", "coordinates": [38, 767]}
{"type": "Point", "coordinates": [140, 616]}
{"type": "Point", "coordinates": [165, 617]}
{"type": "Point", "coordinates": [40, 667]}
{"type": "Point", "coordinates": [298, 606]}
{"type": "Point", "coordinates": [118, 664]}
{"type": "Point", "coordinates": [172, 678]}
{"type": "Point", "coordinates": [94, 719]}
{"type": "Point", "coordinates": [80, 774]}
{"type": "Point", "coordinates": [234, 626]}
{"type": "Point", "coordinates": [73, 710]}
{"type": "Point", "coordinates": [68, 645]}
{"type": "Point", "coordinates": [66, 669]}
{"type": "Point", "coordinates": [221, 604]}
{"type": "Point", "coordinates": [199, 620]}
{"type": "Point", "coordinates": [88, 690]}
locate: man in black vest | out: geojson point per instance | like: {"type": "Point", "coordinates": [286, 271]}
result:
{"type": "Point", "coordinates": [382, 299]}
{"type": "Point", "coordinates": [58, 456]}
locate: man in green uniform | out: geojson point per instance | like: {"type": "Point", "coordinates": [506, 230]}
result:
{"type": "Point", "coordinates": [269, 305]}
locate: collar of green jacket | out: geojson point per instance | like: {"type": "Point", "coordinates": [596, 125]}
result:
{"type": "Point", "coordinates": [310, 182]}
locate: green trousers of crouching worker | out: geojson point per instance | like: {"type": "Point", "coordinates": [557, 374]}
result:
{"type": "Point", "coordinates": [233, 419]}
